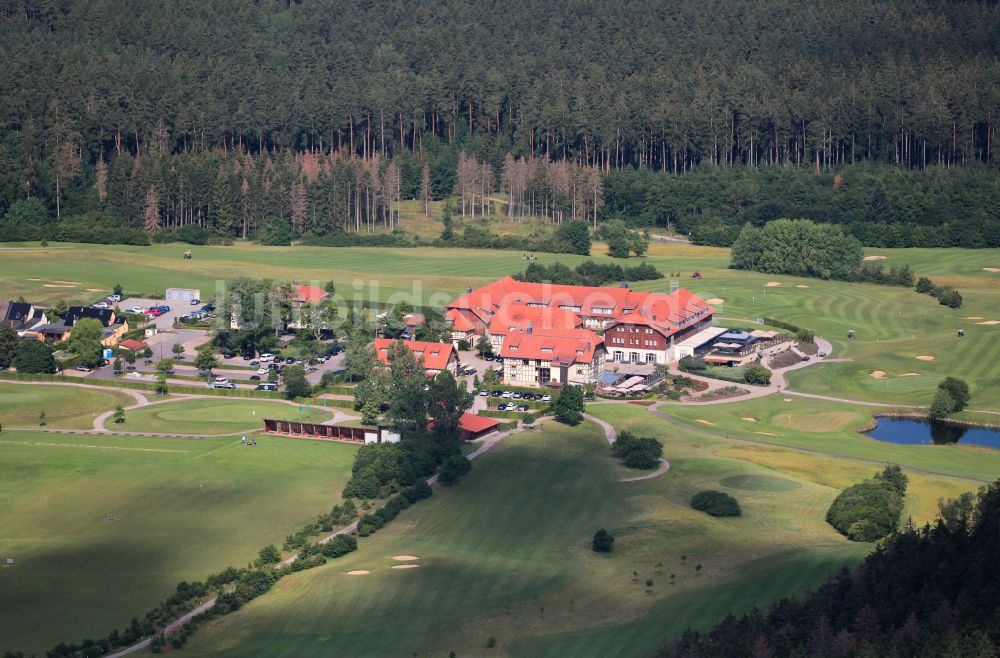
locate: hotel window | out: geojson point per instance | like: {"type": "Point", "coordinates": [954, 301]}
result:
{"type": "Point", "coordinates": [575, 309]}
{"type": "Point", "coordinates": [603, 310]}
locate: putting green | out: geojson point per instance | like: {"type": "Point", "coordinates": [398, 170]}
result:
{"type": "Point", "coordinates": [213, 416]}
{"type": "Point", "coordinates": [759, 483]}
{"type": "Point", "coordinates": [65, 407]}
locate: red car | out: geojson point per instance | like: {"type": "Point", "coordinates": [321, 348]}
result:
{"type": "Point", "coordinates": [155, 312]}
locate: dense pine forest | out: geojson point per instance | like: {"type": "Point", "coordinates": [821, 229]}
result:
{"type": "Point", "coordinates": [931, 591]}
{"type": "Point", "coordinates": [324, 114]}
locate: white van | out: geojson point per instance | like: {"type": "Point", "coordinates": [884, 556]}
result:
{"type": "Point", "coordinates": [267, 356]}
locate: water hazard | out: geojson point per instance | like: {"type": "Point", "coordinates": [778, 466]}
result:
{"type": "Point", "coordinates": [910, 431]}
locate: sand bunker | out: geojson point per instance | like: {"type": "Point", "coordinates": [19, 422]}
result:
{"type": "Point", "coordinates": [974, 317]}
{"type": "Point", "coordinates": [990, 322]}
{"type": "Point", "coordinates": [359, 572]}
{"type": "Point", "coordinates": [765, 433]}
{"type": "Point", "coordinates": [749, 419]}
{"type": "Point", "coordinates": [406, 566]}
{"type": "Point", "coordinates": [94, 290]}
{"type": "Point", "coordinates": [878, 374]}
{"type": "Point", "coordinates": [75, 283]}
{"type": "Point", "coordinates": [59, 285]}
{"type": "Point", "coordinates": [715, 300]}
{"type": "Point", "coordinates": [404, 558]}
{"type": "Point", "coordinates": [910, 374]}
{"type": "Point", "coordinates": [30, 279]}
{"type": "Point", "coordinates": [991, 269]}
{"type": "Point", "coordinates": [875, 257]}
{"type": "Point", "coordinates": [925, 357]}
{"type": "Point", "coordinates": [771, 284]}
{"type": "Point", "coordinates": [702, 420]}
{"type": "Point", "coordinates": [788, 399]}
{"type": "Point", "coordinates": [801, 286]}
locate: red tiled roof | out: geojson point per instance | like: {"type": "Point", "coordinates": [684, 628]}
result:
{"type": "Point", "coordinates": [458, 321]}
{"type": "Point", "coordinates": [413, 319]}
{"type": "Point", "coordinates": [474, 423]}
{"type": "Point", "coordinates": [308, 294]}
{"type": "Point", "coordinates": [521, 317]}
{"type": "Point", "coordinates": [132, 344]}
{"type": "Point", "coordinates": [672, 311]}
{"type": "Point", "coordinates": [561, 346]}
{"type": "Point", "coordinates": [436, 356]}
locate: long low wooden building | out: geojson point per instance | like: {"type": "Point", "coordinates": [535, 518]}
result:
{"type": "Point", "coordinates": [330, 432]}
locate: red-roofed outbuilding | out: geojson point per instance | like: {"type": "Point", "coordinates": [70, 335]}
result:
{"type": "Point", "coordinates": [436, 356]}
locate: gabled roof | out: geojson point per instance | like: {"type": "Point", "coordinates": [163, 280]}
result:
{"type": "Point", "coordinates": [436, 356]}
{"type": "Point", "coordinates": [560, 346]}
{"type": "Point", "coordinates": [458, 321]}
{"type": "Point", "coordinates": [308, 294]}
{"type": "Point", "coordinates": [521, 317]}
{"type": "Point", "coordinates": [667, 312]}
{"type": "Point", "coordinates": [75, 313]}
{"type": "Point", "coordinates": [413, 319]}
{"type": "Point", "coordinates": [15, 312]}
{"type": "Point", "coordinates": [132, 344]}
{"type": "Point", "coordinates": [473, 423]}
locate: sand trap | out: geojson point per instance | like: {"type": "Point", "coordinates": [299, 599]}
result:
{"type": "Point", "coordinates": [788, 399]}
{"type": "Point", "coordinates": [925, 357]}
{"type": "Point", "coordinates": [404, 558]}
{"type": "Point", "coordinates": [406, 566]}
{"type": "Point", "coordinates": [94, 290]}
{"type": "Point", "coordinates": [749, 419]}
{"type": "Point", "coordinates": [875, 257]}
{"type": "Point", "coordinates": [878, 374]}
{"type": "Point", "coordinates": [801, 286]}
{"type": "Point", "coordinates": [765, 433]}
{"type": "Point", "coordinates": [715, 300]}
{"type": "Point", "coordinates": [910, 374]}
{"type": "Point", "coordinates": [34, 279]}
{"type": "Point", "coordinates": [359, 572]}
{"type": "Point", "coordinates": [974, 317]}
{"type": "Point", "coordinates": [702, 420]}
{"type": "Point", "coordinates": [771, 284]}
{"type": "Point", "coordinates": [991, 269]}
{"type": "Point", "coordinates": [59, 285]}
{"type": "Point", "coordinates": [990, 322]}
{"type": "Point", "coordinates": [75, 283]}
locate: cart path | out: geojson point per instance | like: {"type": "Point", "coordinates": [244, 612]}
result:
{"type": "Point", "coordinates": [660, 470]}
{"type": "Point", "coordinates": [655, 410]}
{"type": "Point", "coordinates": [611, 435]}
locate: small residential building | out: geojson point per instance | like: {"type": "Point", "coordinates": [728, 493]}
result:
{"type": "Point", "coordinates": [24, 317]}
{"type": "Point", "coordinates": [552, 358]}
{"type": "Point", "coordinates": [301, 296]}
{"type": "Point", "coordinates": [132, 345]}
{"type": "Point", "coordinates": [437, 357]}
{"type": "Point", "coordinates": [114, 327]}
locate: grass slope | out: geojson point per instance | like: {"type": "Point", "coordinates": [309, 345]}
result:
{"type": "Point", "coordinates": [202, 416]}
{"type": "Point", "coordinates": [182, 509]}
{"type": "Point", "coordinates": [65, 407]}
{"type": "Point", "coordinates": [507, 554]}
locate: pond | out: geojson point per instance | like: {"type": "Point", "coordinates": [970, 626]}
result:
{"type": "Point", "coordinates": [912, 431]}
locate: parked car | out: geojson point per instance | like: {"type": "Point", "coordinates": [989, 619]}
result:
{"type": "Point", "coordinates": [195, 302]}
{"type": "Point", "coordinates": [806, 357]}
{"type": "Point", "coordinates": [102, 305]}
{"type": "Point", "coordinates": [114, 298]}
{"type": "Point", "coordinates": [502, 406]}
{"type": "Point", "coordinates": [522, 407]}
{"type": "Point", "coordinates": [164, 308]}
{"type": "Point", "coordinates": [255, 378]}
{"type": "Point", "coordinates": [267, 386]}
{"type": "Point", "coordinates": [217, 385]}
{"type": "Point", "coordinates": [137, 309]}
{"type": "Point", "coordinates": [290, 359]}
{"type": "Point", "coordinates": [546, 398]}
{"type": "Point", "coordinates": [221, 380]}
{"type": "Point", "coordinates": [516, 395]}
{"type": "Point", "coordinates": [263, 371]}
{"type": "Point", "coordinates": [496, 394]}
{"type": "Point", "coordinates": [506, 394]}
{"type": "Point", "coordinates": [484, 393]}
{"type": "Point", "coordinates": [228, 355]}
{"type": "Point", "coordinates": [83, 369]}
{"type": "Point", "coordinates": [266, 356]}
{"type": "Point", "coordinates": [135, 374]}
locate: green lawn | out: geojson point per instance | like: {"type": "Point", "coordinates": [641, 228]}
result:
{"type": "Point", "coordinates": [64, 406]}
{"type": "Point", "coordinates": [507, 554]}
{"type": "Point", "coordinates": [893, 325]}
{"type": "Point", "coordinates": [182, 509]}
{"type": "Point", "coordinates": [215, 416]}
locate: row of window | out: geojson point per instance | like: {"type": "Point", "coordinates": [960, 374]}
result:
{"type": "Point", "coordinates": [633, 341]}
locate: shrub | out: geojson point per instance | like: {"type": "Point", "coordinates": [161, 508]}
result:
{"type": "Point", "coordinates": [603, 542]}
{"type": "Point", "coordinates": [948, 296]}
{"type": "Point", "coordinates": [869, 510]}
{"type": "Point", "coordinates": [958, 389]}
{"type": "Point", "coordinates": [757, 374]}
{"type": "Point", "coordinates": [568, 405]}
{"type": "Point", "coordinates": [268, 555]}
{"type": "Point", "coordinates": [453, 469]}
{"type": "Point", "coordinates": [716, 503]}
{"type": "Point", "coordinates": [339, 546]}
{"type": "Point", "coordinates": [637, 451]}
{"type": "Point", "coordinates": [692, 364]}
{"type": "Point", "coordinates": [924, 285]}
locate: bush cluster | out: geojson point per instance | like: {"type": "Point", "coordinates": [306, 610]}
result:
{"type": "Point", "coordinates": [637, 451]}
{"type": "Point", "coordinates": [869, 510]}
{"type": "Point", "coordinates": [373, 521]}
{"type": "Point", "coordinates": [875, 272]}
{"type": "Point", "coordinates": [381, 469]}
{"type": "Point", "coordinates": [946, 295]}
{"type": "Point", "coordinates": [951, 397]}
{"type": "Point", "coordinates": [588, 273]}
{"type": "Point", "coordinates": [716, 503]}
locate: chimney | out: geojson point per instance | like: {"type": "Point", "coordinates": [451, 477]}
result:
{"type": "Point", "coordinates": [469, 289]}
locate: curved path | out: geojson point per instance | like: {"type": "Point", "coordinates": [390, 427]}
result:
{"type": "Point", "coordinates": [612, 436]}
